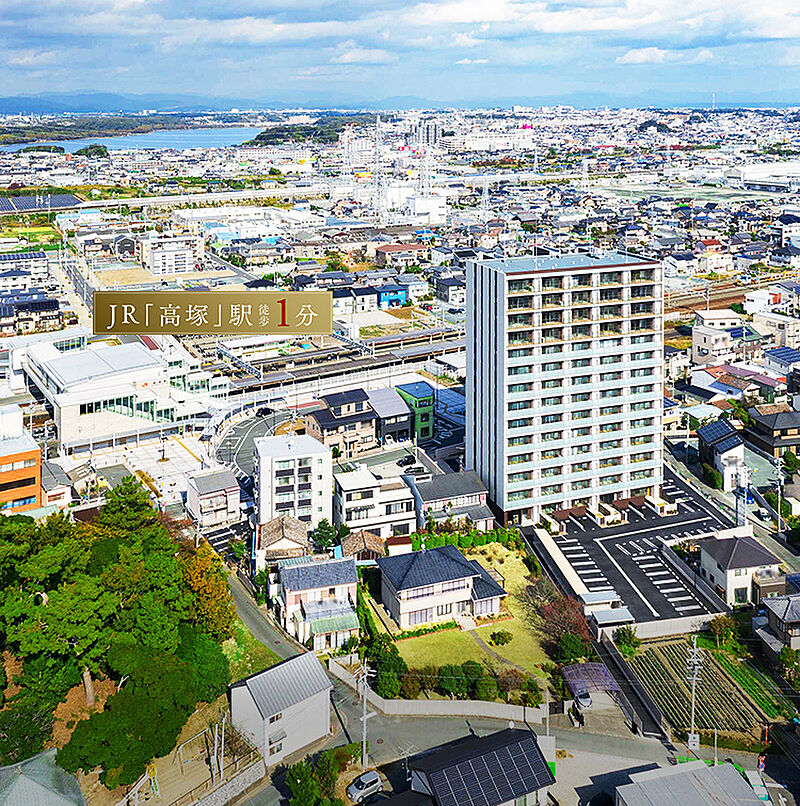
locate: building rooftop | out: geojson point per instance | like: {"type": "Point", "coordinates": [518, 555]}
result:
{"type": "Point", "coordinates": [692, 784]}
{"type": "Point", "coordinates": [213, 480]}
{"type": "Point", "coordinates": [426, 567]}
{"type": "Point", "coordinates": [313, 575]}
{"type": "Point", "coordinates": [738, 552]}
{"type": "Point", "coordinates": [387, 403]}
{"type": "Point", "coordinates": [417, 389]}
{"type": "Point", "coordinates": [581, 260]}
{"type": "Point", "coordinates": [451, 485]}
{"type": "Point", "coordinates": [288, 447]}
{"type": "Point", "coordinates": [282, 686]}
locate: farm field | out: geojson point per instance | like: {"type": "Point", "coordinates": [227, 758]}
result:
{"type": "Point", "coordinates": [732, 695]}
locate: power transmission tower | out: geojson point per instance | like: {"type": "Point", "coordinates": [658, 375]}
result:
{"type": "Point", "coordinates": [362, 675]}
{"type": "Point", "coordinates": [694, 665]}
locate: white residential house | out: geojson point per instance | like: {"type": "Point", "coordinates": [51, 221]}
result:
{"type": "Point", "coordinates": [440, 584]}
{"type": "Point", "coordinates": [384, 506]}
{"type": "Point", "coordinates": [740, 568]}
{"type": "Point", "coordinates": [284, 708]}
{"type": "Point", "coordinates": [292, 475]}
{"type": "Point", "coordinates": [719, 318]}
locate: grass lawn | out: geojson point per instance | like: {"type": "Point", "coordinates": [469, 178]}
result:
{"type": "Point", "coordinates": [525, 649]}
{"type": "Point", "coordinates": [245, 654]}
{"type": "Point", "coordinates": [440, 648]}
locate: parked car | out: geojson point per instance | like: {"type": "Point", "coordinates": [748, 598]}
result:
{"type": "Point", "coordinates": [367, 784]}
{"type": "Point", "coordinates": [406, 460]}
{"type": "Point", "coordinates": [454, 311]}
{"type": "Point", "coordinates": [264, 411]}
{"type": "Point", "coordinates": [762, 514]}
{"type": "Point", "coordinates": [583, 700]}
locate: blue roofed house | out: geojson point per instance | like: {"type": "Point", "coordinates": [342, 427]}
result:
{"type": "Point", "coordinates": [314, 600]}
{"type": "Point", "coordinates": [437, 584]}
{"type": "Point", "coordinates": [782, 359]}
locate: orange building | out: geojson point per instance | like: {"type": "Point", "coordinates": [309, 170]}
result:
{"type": "Point", "coordinates": [20, 464]}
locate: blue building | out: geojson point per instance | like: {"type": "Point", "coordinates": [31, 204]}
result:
{"type": "Point", "coordinates": [391, 296]}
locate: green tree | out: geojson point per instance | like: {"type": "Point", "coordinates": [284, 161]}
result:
{"type": "Point", "coordinates": [509, 680]}
{"type": "Point", "coordinates": [324, 535]}
{"type": "Point", "coordinates": [486, 689]}
{"type": "Point", "coordinates": [501, 637]}
{"type": "Point", "coordinates": [722, 627]}
{"type": "Point", "coordinates": [452, 681]}
{"type": "Point", "coordinates": [303, 785]}
{"type": "Point", "coordinates": [570, 648]}
{"type": "Point", "coordinates": [473, 672]}
{"type": "Point", "coordinates": [205, 575]}
{"type": "Point", "coordinates": [127, 507]}
{"type": "Point", "coordinates": [210, 669]}
{"type": "Point", "coordinates": [411, 685]}
{"type": "Point", "coordinates": [712, 477]}
{"type": "Point", "coordinates": [24, 728]}
{"type": "Point", "coordinates": [790, 663]}
{"type": "Point", "coordinates": [627, 639]}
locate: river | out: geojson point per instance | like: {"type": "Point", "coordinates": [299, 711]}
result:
{"type": "Point", "coordinates": [165, 138]}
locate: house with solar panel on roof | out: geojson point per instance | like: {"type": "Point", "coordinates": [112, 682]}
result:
{"type": "Point", "coordinates": [507, 768]}
{"type": "Point", "coordinates": [284, 708]}
{"type": "Point", "coordinates": [721, 446]}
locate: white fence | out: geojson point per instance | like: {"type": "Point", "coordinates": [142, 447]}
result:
{"type": "Point", "coordinates": [465, 708]}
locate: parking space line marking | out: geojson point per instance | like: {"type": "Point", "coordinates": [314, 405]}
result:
{"type": "Point", "coordinates": [673, 590]}
{"type": "Point", "coordinates": [619, 568]}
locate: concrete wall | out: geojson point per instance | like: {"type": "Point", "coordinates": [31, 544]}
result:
{"type": "Point", "coordinates": [236, 786]}
{"type": "Point", "coordinates": [465, 708]}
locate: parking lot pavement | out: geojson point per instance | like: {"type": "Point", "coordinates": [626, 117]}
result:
{"type": "Point", "coordinates": [628, 558]}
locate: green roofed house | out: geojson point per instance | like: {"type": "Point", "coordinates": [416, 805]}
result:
{"type": "Point", "coordinates": [420, 396]}
{"type": "Point", "coordinates": [39, 781]}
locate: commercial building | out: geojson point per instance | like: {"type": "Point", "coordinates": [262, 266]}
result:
{"type": "Point", "coordinates": [292, 475]}
{"type": "Point", "coordinates": [564, 381]}
{"type": "Point", "coordinates": [20, 464]}
{"type": "Point", "coordinates": [420, 396]}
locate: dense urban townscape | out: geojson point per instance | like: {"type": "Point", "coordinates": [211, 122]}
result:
{"type": "Point", "coordinates": [523, 528]}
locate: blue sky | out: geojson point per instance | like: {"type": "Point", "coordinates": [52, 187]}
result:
{"type": "Point", "coordinates": [444, 50]}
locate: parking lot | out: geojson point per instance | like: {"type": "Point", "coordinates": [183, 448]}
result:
{"type": "Point", "coordinates": [628, 558]}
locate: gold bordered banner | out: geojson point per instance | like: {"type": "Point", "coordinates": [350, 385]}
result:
{"type": "Point", "coordinates": [301, 313]}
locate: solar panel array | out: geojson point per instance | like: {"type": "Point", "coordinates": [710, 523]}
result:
{"type": "Point", "coordinates": [493, 778]}
{"type": "Point", "coordinates": [712, 432]}
{"type": "Point", "coordinates": [30, 204]}
{"type": "Point", "coordinates": [16, 257]}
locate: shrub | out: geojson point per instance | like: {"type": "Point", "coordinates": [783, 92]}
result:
{"type": "Point", "coordinates": [473, 672]}
{"type": "Point", "coordinates": [627, 640]}
{"type": "Point", "coordinates": [712, 477]}
{"type": "Point", "coordinates": [510, 680]}
{"type": "Point", "coordinates": [501, 637]}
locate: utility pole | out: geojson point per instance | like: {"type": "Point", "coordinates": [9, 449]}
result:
{"type": "Point", "coordinates": [547, 709]}
{"type": "Point", "coordinates": [694, 666]}
{"type": "Point", "coordinates": [364, 674]}
{"type": "Point", "coordinates": [741, 499]}
{"type": "Point", "coordinates": [778, 485]}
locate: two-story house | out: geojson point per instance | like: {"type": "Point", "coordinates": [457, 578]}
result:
{"type": "Point", "coordinates": [780, 627]}
{"type": "Point", "coordinates": [453, 496]}
{"type": "Point", "coordinates": [284, 708]}
{"type": "Point", "coordinates": [384, 506]}
{"type": "Point", "coordinates": [346, 424]}
{"type": "Point", "coordinates": [315, 601]}
{"type": "Point", "coordinates": [213, 499]}
{"type": "Point", "coordinates": [775, 429]}
{"type": "Point", "coordinates": [741, 569]}
{"type": "Point", "coordinates": [436, 585]}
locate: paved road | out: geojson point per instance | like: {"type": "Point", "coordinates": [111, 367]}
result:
{"type": "Point", "coordinates": [83, 288]}
{"type": "Point", "coordinates": [236, 448]}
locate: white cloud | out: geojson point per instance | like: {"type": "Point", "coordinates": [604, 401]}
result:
{"type": "Point", "coordinates": [350, 53]}
{"type": "Point", "coordinates": [472, 61]}
{"type": "Point", "coordinates": [653, 55]}
{"type": "Point", "coordinates": [461, 40]}
{"type": "Point", "coordinates": [31, 58]}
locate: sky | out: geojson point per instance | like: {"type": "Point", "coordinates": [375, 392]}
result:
{"type": "Point", "coordinates": [449, 51]}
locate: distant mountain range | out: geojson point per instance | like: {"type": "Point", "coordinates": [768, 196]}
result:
{"type": "Point", "coordinates": [105, 102]}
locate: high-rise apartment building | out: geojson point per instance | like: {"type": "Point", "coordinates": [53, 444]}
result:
{"type": "Point", "coordinates": [564, 381]}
